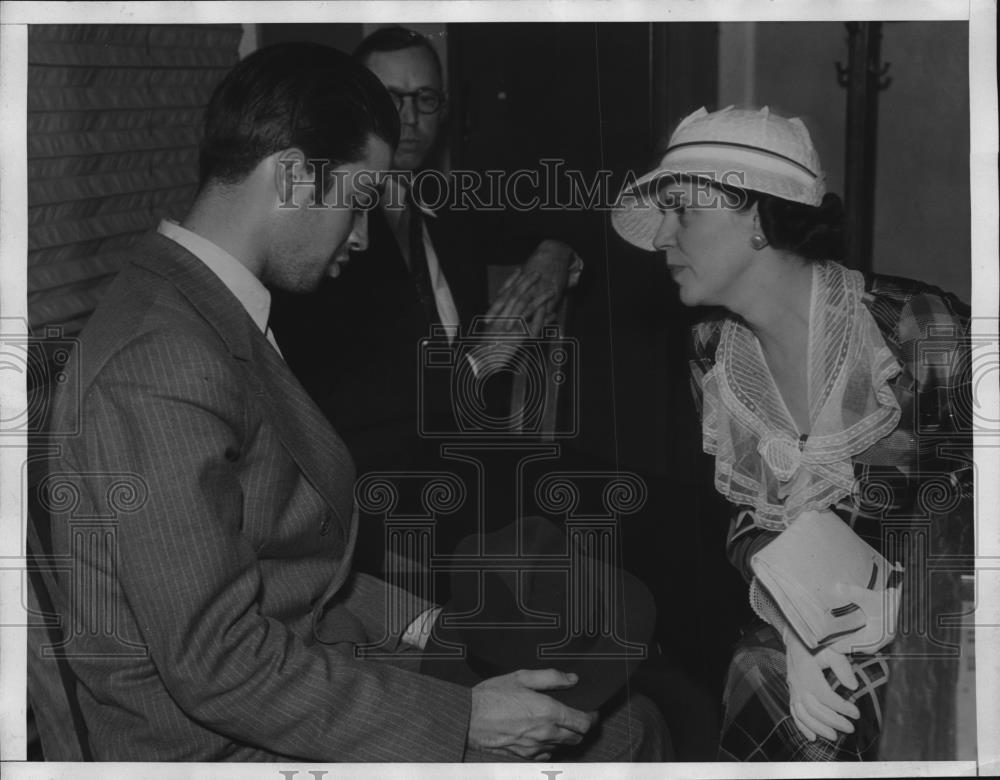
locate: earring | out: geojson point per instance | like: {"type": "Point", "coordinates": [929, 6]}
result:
{"type": "Point", "coordinates": [757, 241]}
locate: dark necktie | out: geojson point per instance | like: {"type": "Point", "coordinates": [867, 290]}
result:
{"type": "Point", "coordinates": [418, 262]}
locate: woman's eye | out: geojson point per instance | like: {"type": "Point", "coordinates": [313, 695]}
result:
{"type": "Point", "coordinates": [670, 201]}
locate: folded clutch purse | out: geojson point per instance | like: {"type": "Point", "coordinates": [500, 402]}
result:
{"type": "Point", "coordinates": [831, 586]}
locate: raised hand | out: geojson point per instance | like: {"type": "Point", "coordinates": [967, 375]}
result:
{"type": "Point", "coordinates": [559, 269]}
{"type": "Point", "coordinates": [521, 298]}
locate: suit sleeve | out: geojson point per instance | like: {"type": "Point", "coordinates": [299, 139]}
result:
{"type": "Point", "coordinates": [377, 603]}
{"type": "Point", "coordinates": [172, 411]}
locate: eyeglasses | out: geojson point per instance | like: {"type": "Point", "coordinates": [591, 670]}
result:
{"type": "Point", "coordinates": [425, 100]}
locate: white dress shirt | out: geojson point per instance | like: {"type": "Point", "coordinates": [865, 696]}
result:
{"type": "Point", "coordinates": [239, 280]}
{"type": "Point", "coordinates": [443, 300]}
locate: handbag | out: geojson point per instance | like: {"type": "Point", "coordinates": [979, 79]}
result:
{"type": "Point", "coordinates": [831, 586]}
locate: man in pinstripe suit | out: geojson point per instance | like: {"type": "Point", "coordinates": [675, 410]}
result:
{"type": "Point", "coordinates": [236, 629]}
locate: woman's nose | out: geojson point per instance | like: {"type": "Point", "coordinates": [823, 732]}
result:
{"type": "Point", "coordinates": [666, 232]}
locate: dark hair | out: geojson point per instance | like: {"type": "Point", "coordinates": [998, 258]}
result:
{"type": "Point", "coordinates": [811, 232]}
{"type": "Point", "coordinates": [303, 95]}
{"type": "Point", "coordinates": [395, 39]}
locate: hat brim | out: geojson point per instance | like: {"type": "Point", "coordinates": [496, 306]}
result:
{"type": "Point", "coordinates": [600, 679]}
{"type": "Point", "coordinates": [637, 216]}
{"type": "Point", "coordinates": [499, 635]}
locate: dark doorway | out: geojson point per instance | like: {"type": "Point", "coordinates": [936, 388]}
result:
{"type": "Point", "coordinates": [592, 98]}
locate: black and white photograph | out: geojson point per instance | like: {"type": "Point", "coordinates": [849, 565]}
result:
{"type": "Point", "coordinates": [565, 389]}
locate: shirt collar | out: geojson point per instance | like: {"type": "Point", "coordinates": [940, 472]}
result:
{"type": "Point", "coordinates": [239, 280]}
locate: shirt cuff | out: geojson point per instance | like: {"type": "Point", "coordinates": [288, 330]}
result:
{"type": "Point", "coordinates": [419, 631]}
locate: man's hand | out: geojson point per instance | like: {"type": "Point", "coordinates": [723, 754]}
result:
{"type": "Point", "coordinates": [509, 716]}
{"type": "Point", "coordinates": [535, 291]}
{"type": "Point", "coordinates": [521, 296]}
{"type": "Point", "coordinates": [558, 267]}
{"type": "Point", "coordinates": [817, 708]}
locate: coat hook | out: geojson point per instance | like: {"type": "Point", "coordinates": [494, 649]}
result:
{"type": "Point", "coordinates": [844, 71]}
{"type": "Point", "coordinates": [884, 80]}
{"type": "Point", "coordinates": [843, 74]}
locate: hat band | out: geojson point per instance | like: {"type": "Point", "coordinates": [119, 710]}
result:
{"type": "Point", "coordinates": [744, 169]}
{"type": "Point", "coordinates": [744, 147]}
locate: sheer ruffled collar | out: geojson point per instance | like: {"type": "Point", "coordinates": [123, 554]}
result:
{"type": "Point", "coordinates": [760, 457]}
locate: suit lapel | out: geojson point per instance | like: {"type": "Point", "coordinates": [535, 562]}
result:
{"type": "Point", "coordinates": [382, 271]}
{"type": "Point", "coordinates": [304, 431]}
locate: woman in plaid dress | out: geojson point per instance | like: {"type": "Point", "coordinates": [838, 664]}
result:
{"type": "Point", "coordinates": [820, 389]}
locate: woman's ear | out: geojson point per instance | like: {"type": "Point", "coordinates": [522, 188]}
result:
{"type": "Point", "coordinates": [757, 238]}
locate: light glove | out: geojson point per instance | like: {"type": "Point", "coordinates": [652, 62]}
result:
{"type": "Point", "coordinates": [816, 707]}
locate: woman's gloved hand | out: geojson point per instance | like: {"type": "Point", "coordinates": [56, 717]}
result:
{"type": "Point", "coordinates": [816, 708]}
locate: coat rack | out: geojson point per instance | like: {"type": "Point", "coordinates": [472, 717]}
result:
{"type": "Point", "coordinates": [864, 77]}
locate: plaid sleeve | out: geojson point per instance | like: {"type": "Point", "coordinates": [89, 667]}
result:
{"type": "Point", "coordinates": [745, 539]}
{"type": "Point", "coordinates": [934, 339]}
{"type": "Point", "coordinates": [929, 332]}
{"type": "Point", "coordinates": [934, 343]}
{"type": "Point", "coordinates": [943, 371]}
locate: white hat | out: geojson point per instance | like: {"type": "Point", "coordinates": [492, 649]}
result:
{"type": "Point", "coordinates": [751, 150]}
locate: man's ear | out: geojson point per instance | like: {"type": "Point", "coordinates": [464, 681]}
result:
{"type": "Point", "coordinates": [289, 170]}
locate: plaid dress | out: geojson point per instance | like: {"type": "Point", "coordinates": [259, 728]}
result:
{"type": "Point", "coordinates": [915, 484]}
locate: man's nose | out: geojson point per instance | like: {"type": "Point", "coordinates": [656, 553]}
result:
{"type": "Point", "coordinates": [667, 231]}
{"type": "Point", "coordinates": [358, 240]}
{"type": "Point", "coordinates": [408, 110]}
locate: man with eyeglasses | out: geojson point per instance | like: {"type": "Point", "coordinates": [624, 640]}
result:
{"type": "Point", "coordinates": [411, 72]}
{"type": "Point", "coordinates": [354, 344]}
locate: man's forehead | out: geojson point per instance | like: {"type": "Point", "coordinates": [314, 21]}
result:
{"type": "Point", "coordinates": [408, 68]}
{"type": "Point", "coordinates": [378, 155]}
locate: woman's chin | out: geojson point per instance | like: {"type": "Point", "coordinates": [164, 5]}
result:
{"type": "Point", "coordinates": [688, 296]}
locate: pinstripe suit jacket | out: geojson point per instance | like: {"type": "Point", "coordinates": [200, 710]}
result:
{"type": "Point", "coordinates": [217, 618]}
